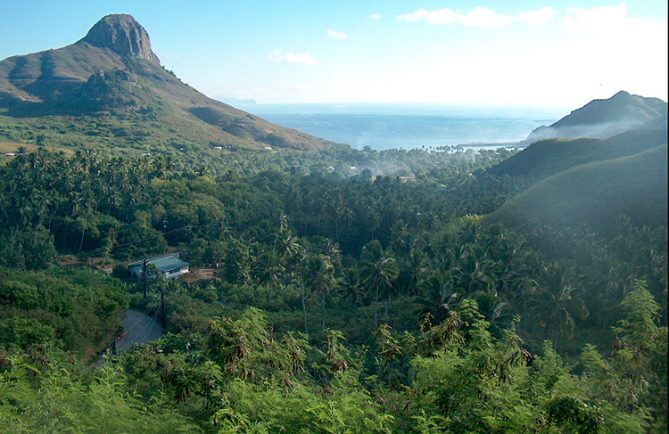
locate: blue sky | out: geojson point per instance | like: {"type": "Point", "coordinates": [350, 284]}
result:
{"type": "Point", "coordinates": [488, 53]}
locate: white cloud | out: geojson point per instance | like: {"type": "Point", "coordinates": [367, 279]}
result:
{"type": "Point", "coordinates": [479, 17]}
{"type": "Point", "coordinates": [622, 52]}
{"type": "Point", "coordinates": [484, 17]}
{"type": "Point", "coordinates": [537, 17]}
{"type": "Point", "coordinates": [334, 34]}
{"type": "Point", "coordinates": [597, 19]}
{"type": "Point", "coordinates": [586, 53]}
{"type": "Point", "coordinates": [375, 16]}
{"type": "Point", "coordinates": [581, 54]}
{"type": "Point", "coordinates": [279, 56]}
{"type": "Point", "coordinates": [440, 16]}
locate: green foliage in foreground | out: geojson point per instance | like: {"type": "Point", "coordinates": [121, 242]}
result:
{"type": "Point", "coordinates": [407, 298]}
{"type": "Point", "coordinates": [57, 401]}
{"type": "Point", "coordinates": [76, 310]}
{"type": "Point", "coordinates": [239, 377]}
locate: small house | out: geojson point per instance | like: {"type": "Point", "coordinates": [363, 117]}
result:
{"type": "Point", "coordinates": [169, 265]}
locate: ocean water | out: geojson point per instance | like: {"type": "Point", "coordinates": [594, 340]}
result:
{"type": "Point", "coordinates": [406, 127]}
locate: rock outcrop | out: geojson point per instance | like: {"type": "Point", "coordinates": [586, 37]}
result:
{"type": "Point", "coordinates": [123, 35]}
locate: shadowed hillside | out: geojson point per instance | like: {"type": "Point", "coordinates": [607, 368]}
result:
{"type": "Point", "coordinates": [595, 194]}
{"type": "Point", "coordinates": [548, 157]}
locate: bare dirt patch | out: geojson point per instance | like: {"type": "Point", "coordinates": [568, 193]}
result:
{"type": "Point", "coordinates": [197, 274]}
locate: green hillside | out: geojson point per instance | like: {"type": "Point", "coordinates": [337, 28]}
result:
{"type": "Point", "coordinates": [549, 157]}
{"type": "Point", "coordinates": [109, 89]}
{"type": "Point", "coordinates": [595, 193]}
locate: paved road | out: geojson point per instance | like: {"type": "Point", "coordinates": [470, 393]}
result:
{"type": "Point", "coordinates": [138, 328]}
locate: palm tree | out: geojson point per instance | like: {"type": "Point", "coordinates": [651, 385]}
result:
{"type": "Point", "coordinates": [378, 272]}
{"type": "Point", "coordinates": [474, 271]}
{"type": "Point", "coordinates": [320, 278]}
{"type": "Point", "coordinates": [496, 311]}
{"type": "Point", "coordinates": [270, 270]}
{"type": "Point", "coordinates": [411, 270]}
{"type": "Point", "coordinates": [286, 244]}
{"type": "Point", "coordinates": [438, 298]}
{"type": "Point", "coordinates": [553, 304]}
{"type": "Point", "coordinates": [350, 290]}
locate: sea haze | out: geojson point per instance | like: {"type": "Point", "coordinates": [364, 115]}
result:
{"type": "Point", "coordinates": [406, 126]}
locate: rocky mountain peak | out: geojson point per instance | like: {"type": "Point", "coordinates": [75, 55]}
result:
{"type": "Point", "coordinates": [122, 34]}
{"type": "Point", "coordinates": [621, 94]}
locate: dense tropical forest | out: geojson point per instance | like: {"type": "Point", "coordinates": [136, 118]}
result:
{"type": "Point", "coordinates": [345, 291]}
{"type": "Point", "coordinates": [331, 290]}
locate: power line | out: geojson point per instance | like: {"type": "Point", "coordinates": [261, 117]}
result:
{"type": "Point", "coordinates": [146, 328]}
{"type": "Point", "coordinates": [136, 325]}
{"type": "Point", "coordinates": [141, 330]}
{"type": "Point", "coordinates": [93, 253]}
{"type": "Point", "coordinates": [145, 331]}
{"type": "Point", "coordinates": [146, 313]}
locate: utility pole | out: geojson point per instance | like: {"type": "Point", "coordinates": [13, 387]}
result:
{"type": "Point", "coordinates": [162, 305]}
{"type": "Point", "coordinates": [144, 277]}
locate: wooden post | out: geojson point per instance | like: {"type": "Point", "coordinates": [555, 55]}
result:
{"type": "Point", "coordinates": [144, 277]}
{"type": "Point", "coordinates": [162, 305]}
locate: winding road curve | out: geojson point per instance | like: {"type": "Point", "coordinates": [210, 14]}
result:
{"type": "Point", "coordinates": [138, 328]}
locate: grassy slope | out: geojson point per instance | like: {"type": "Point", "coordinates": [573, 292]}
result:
{"type": "Point", "coordinates": [13, 146]}
{"type": "Point", "coordinates": [38, 97]}
{"type": "Point", "coordinates": [549, 157]}
{"type": "Point", "coordinates": [595, 193]}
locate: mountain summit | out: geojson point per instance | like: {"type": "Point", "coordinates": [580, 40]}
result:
{"type": "Point", "coordinates": [123, 35]}
{"type": "Point", "coordinates": [604, 118]}
{"type": "Point", "coordinates": [109, 89]}
{"type": "Point", "coordinates": [608, 158]}
{"type": "Point", "coordinates": [618, 127]}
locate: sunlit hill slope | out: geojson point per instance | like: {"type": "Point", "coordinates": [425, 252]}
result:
{"type": "Point", "coordinates": [109, 89]}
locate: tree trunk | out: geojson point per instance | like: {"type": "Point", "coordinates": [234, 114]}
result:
{"type": "Point", "coordinates": [323, 311]}
{"type": "Point", "coordinates": [376, 310]}
{"type": "Point", "coordinates": [81, 240]}
{"type": "Point", "coordinates": [304, 312]}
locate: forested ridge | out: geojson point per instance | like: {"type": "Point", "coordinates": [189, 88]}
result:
{"type": "Point", "coordinates": [348, 291]}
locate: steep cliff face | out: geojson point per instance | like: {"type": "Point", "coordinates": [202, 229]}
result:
{"type": "Point", "coordinates": [123, 35]}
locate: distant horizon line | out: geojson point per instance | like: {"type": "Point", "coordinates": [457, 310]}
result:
{"type": "Point", "coordinates": [397, 109]}
{"type": "Point", "coordinates": [253, 101]}
{"type": "Point", "coordinates": [372, 103]}
{"type": "Point", "coordinates": [250, 101]}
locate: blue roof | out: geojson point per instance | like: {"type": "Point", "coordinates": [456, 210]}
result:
{"type": "Point", "coordinates": [162, 263]}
